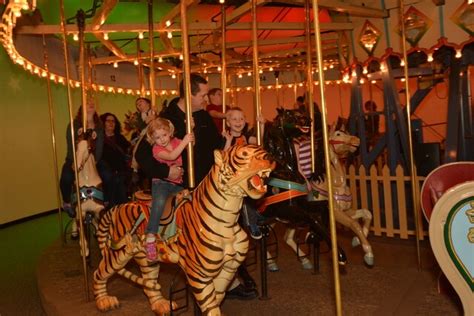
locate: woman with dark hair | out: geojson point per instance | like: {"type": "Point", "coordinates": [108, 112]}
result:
{"type": "Point", "coordinates": [115, 170]}
{"type": "Point", "coordinates": [67, 173]}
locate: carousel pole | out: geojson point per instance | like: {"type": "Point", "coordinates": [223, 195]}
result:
{"type": "Point", "coordinates": [53, 140]}
{"type": "Point", "coordinates": [82, 66]}
{"type": "Point", "coordinates": [309, 77]}
{"type": "Point", "coordinates": [256, 74]}
{"type": "Point", "coordinates": [140, 70]}
{"type": "Point", "coordinates": [413, 173]}
{"type": "Point", "coordinates": [223, 63]}
{"type": "Point", "coordinates": [187, 88]}
{"type": "Point", "coordinates": [80, 15]}
{"type": "Point", "coordinates": [152, 54]}
{"type": "Point", "coordinates": [332, 221]}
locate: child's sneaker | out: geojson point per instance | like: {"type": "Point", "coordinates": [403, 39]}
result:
{"type": "Point", "coordinates": [150, 248]}
{"type": "Point", "coordinates": [67, 207]}
{"type": "Point", "coordinates": [255, 232]}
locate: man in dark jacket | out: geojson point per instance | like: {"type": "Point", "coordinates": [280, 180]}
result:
{"type": "Point", "coordinates": [207, 138]}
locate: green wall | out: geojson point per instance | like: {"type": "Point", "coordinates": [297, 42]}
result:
{"type": "Point", "coordinates": [27, 178]}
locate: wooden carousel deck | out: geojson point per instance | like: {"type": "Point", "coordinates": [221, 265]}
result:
{"type": "Point", "coordinates": [393, 287]}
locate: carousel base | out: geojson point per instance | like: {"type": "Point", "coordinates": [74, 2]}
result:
{"type": "Point", "coordinates": [393, 286]}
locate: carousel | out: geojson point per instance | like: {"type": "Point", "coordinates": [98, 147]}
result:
{"type": "Point", "coordinates": [380, 221]}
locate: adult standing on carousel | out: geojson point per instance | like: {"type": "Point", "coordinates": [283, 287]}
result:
{"type": "Point", "coordinates": [115, 161]}
{"type": "Point", "coordinates": [207, 138]}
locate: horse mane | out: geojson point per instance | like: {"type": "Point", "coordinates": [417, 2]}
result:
{"type": "Point", "coordinates": [278, 136]}
{"type": "Point", "coordinates": [320, 164]}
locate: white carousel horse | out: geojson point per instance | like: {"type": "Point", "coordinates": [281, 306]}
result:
{"type": "Point", "coordinates": [90, 185]}
{"type": "Point", "coordinates": [340, 145]}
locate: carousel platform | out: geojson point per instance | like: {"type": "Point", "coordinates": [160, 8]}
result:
{"type": "Point", "coordinates": [394, 286]}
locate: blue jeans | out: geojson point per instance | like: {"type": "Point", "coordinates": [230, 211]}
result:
{"type": "Point", "coordinates": [160, 190]}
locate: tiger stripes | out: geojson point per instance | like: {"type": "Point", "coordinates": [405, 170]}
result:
{"type": "Point", "coordinates": [209, 245]}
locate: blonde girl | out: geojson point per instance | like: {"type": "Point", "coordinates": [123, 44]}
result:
{"type": "Point", "coordinates": [166, 149]}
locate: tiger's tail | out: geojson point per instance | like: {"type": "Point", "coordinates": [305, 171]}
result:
{"type": "Point", "coordinates": [152, 285]}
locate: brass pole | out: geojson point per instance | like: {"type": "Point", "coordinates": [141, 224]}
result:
{"type": "Point", "coordinates": [71, 125]}
{"type": "Point", "coordinates": [140, 70]}
{"type": "Point", "coordinates": [187, 88]}
{"type": "Point", "coordinates": [231, 92]}
{"type": "Point", "coordinates": [152, 53]}
{"type": "Point", "coordinates": [256, 74]}
{"type": "Point", "coordinates": [332, 221]}
{"type": "Point", "coordinates": [295, 87]}
{"type": "Point", "coordinates": [90, 69]}
{"type": "Point", "coordinates": [82, 66]}
{"type": "Point", "coordinates": [224, 63]}
{"type": "Point", "coordinates": [82, 69]}
{"type": "Point", "coordinates": [309, 78]}
{"type": "Point", "coordinates": [413, 173]}
{"type": "Point", "coordinates": [53, 140]}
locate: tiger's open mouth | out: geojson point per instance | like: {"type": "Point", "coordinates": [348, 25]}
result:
{"type": "Point", "coordinates": [257, 182]}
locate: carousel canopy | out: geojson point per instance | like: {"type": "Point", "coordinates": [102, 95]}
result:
{"type": "Point", "coordinates": [117, 32]}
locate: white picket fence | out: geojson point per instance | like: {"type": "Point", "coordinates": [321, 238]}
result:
{"type": "Point", "coordinates": [378, 191]}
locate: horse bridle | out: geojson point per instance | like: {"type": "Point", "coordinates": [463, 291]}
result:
{"type": "Point", "coordinates": [84, 161]}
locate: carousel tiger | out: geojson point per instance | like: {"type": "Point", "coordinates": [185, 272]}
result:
{"type": "Point", "coordinates": [208, 243]}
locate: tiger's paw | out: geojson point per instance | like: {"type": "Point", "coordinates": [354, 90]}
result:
{"type": "Point", "coordinates": [163, 306]}
{"type": "Point", "coordinates": [106, 303]}
{"type": "Point", "coordinates": [165, 253]}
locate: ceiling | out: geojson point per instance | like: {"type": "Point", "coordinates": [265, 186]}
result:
{"type": "Point", "coordinates": [281, 34]}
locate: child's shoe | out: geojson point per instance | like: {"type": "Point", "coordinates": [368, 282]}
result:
{"type": "Point", "coordinates": [255, 232]}
{"type": "Point", "coordinates": [150, 248]}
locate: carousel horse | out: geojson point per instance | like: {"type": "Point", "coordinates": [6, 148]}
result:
{"type": "Point", "coordinates": [200, 234]}
{"type": "Point", "coordinates": [287, 198]}
{"type": "Point", "coordinates": [340, 145]}
{"type": "Point", "coordinates": [90, 184]}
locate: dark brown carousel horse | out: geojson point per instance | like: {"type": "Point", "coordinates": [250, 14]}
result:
{"type": "Point", "coordinates": [287, 197]}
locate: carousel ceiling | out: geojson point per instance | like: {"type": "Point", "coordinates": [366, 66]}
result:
{"type": "Point", "coordinates": [116, 37]}
{"type": "Point", "coordinates": [116, 31]}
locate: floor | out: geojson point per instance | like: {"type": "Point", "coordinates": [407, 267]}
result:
{"type": "Point", "coordinates": [394, 286]}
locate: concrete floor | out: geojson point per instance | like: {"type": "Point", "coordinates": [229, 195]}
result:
{"type": "Point", "coordinates": [394, 286]}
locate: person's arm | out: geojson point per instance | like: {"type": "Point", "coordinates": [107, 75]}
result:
{"type": "Point", "coordinates": [227, 137]}
{"type": "Point", "coordinates": [69, 142]}
{"type": "Point", "coordinates": [216, 114]}
{"type": "Point", "coordinates": [175, 153]}
{"type": "Point", "coordinates": [253, 139]}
